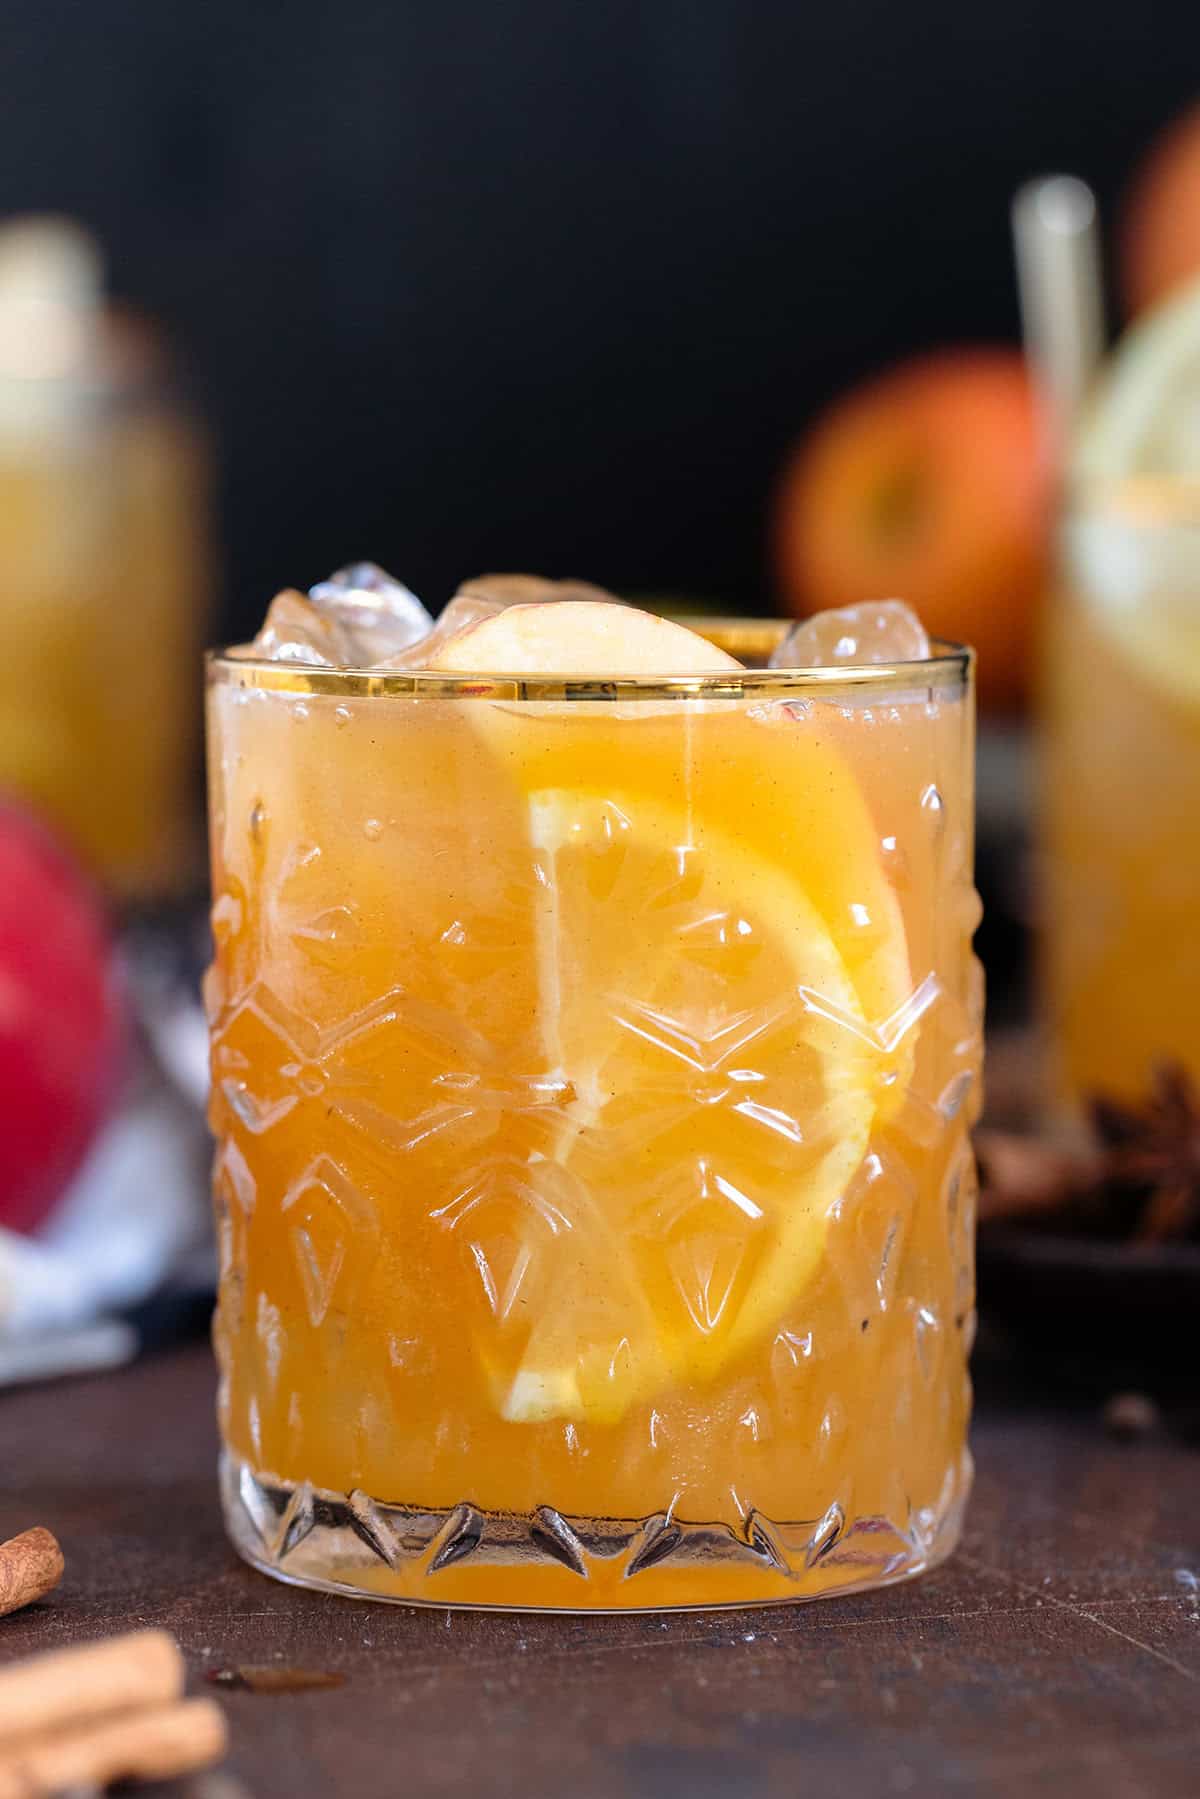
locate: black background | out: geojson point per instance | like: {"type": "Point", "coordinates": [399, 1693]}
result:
{"type": "Point", "coordinates": [490, 284]}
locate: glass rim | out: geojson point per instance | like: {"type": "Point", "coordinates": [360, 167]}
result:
{"type": "Point", "coordinates": [950, 665]}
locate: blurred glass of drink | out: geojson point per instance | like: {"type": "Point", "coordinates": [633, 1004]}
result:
{"type": "Point", "coordinates": [1121, 791]}
{"type": "Point", "coordinates": [103, 568]}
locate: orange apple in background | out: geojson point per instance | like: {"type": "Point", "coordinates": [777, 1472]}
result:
{"type": "Point", "coordinates": [928, 484]}
{"type": "Point", "coordinates": [1160, 220]}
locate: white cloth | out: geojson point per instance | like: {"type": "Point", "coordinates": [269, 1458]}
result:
{"type": "Point", "coordinates": [134, 1209]}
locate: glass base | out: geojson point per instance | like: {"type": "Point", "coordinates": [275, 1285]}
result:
{"type": "Point", "coordinates": [542, 1561]}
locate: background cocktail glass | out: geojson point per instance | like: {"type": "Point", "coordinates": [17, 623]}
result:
{"type": "Point", "coordinates": [1120, 830]}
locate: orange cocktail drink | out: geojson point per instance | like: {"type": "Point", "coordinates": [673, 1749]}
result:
{"type": "Point", "coordinates": [593, 1062]}
{"type": "Point", "coordinates": [1120, 812]}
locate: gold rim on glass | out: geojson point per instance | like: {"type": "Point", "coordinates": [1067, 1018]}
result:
{"type": "Point", "coordinates": [948, 666]}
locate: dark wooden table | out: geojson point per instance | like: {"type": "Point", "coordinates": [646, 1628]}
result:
{"type": "Point", "coordinates": [1058, 1653]}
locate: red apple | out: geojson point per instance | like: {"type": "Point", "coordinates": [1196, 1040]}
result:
{"type": "Point", "coordinates": [62, 1032]}
{"type": "Point", "coordinates": [928, 484]}
{"type": "Point", "coordinates": [1160, 225]}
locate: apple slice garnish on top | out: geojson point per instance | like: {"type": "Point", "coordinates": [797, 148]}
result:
{"type": "Point", "coordinates": [578, 637]}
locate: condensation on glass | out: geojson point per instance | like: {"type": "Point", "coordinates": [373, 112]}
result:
{"type": "Point", "coordinates": [593, 1065]}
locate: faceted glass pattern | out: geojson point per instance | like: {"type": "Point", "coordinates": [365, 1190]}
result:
{"type": "Point", "coordinates": [591, 1083]}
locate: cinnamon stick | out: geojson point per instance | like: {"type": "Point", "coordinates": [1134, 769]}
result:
{"type": "Point", "coordinates": [31, 1566]}
{"type": "Point", "coordinates": [1023, 1175]}
{"type": "Point", "coordinates": [72, 1687]}
{"type": "Point", "coordinates": [154, 1744]}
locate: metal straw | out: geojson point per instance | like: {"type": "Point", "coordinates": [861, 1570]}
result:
{"type": "Point", "coordinates": [1056, 234]}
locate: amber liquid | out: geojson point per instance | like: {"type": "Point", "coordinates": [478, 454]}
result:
{"type": "Point", "coordinates": [1121, 825]}
{"type": "Point", "coordinates": [104, 572]}
{"type": "Point", "coordinates": [529, 1195]}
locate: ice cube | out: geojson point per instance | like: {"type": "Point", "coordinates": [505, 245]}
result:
{"type": "Point", "coordinates": [377, 616]}
{"type": "Point", "coordinates": [295, 630]}
{"type": "Point", "coordinates": [463, 610]}
{"type": "Point", "coordinates": [482, 598]}
{"type": "Point", "coordinates": [875, 631]}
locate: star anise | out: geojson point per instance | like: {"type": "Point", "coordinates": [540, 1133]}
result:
{"type": "Point", "coordinates": [1137, 1181]}
{"type": "Point", "coordinates": [1154, 1150]}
